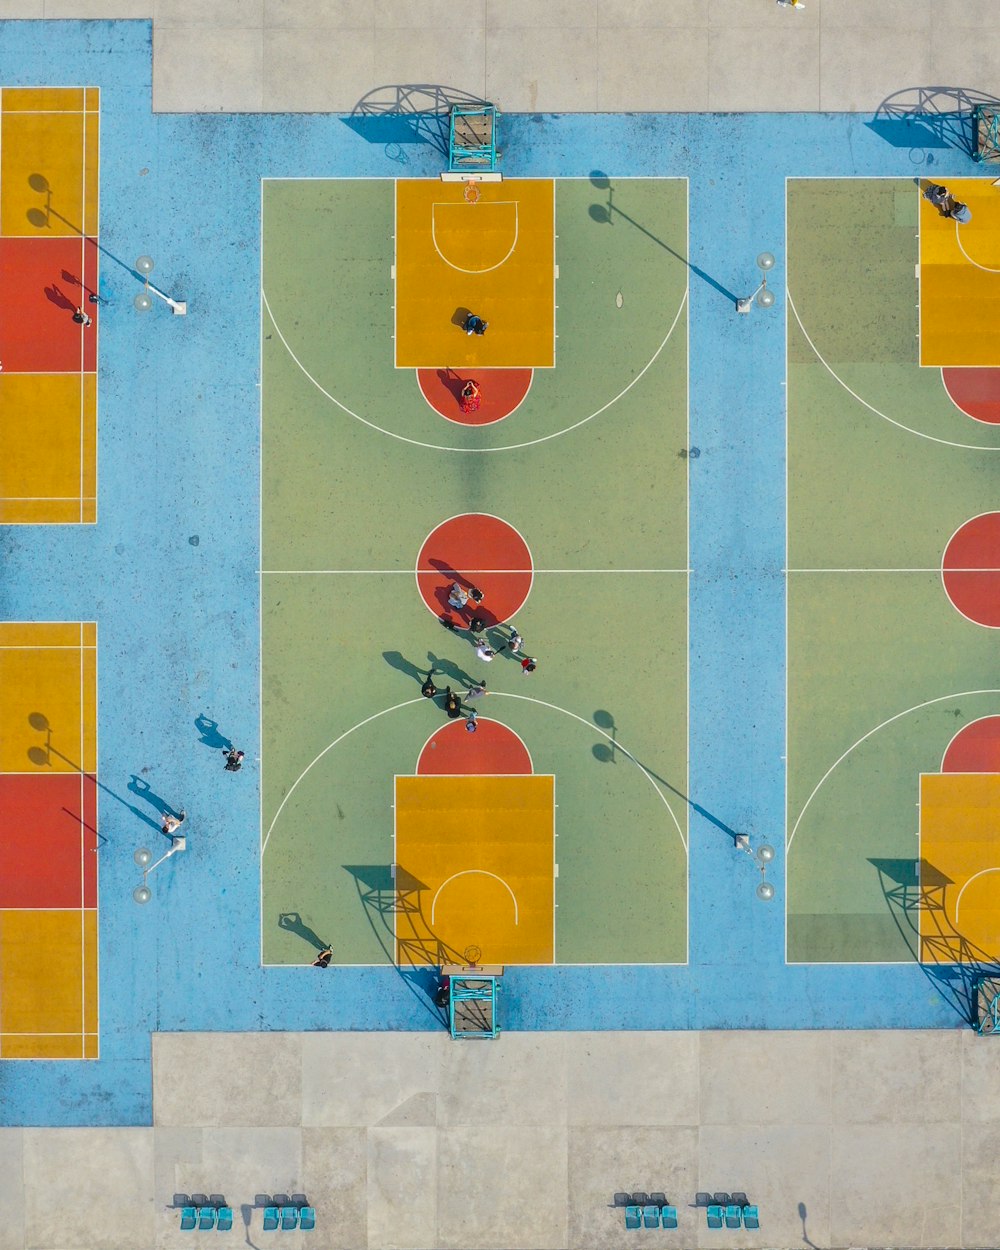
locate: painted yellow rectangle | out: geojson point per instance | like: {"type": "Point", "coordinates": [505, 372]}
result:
{"type": "Point", "coordinates": [960, 278]}
{"type": "Point", "coordinates": [494, 257]}
{"type": "Point", "coordinates": [475, 855]}
{"type": "Point", "coordinates": [48, 966]}
{"type": "Point", "coordinates": [91, 174]}
{"type": "Point", "coordinates": [42, 99]}
{"type": "Point", "coordinates": [960, 867]}
{"type": "Point", "coordinates": [92, 99]}
{"type": "Point", "coordinates": [49, 1046]}
{"type": "Point", "coordinates": [49, 147]}
{"type": "Point", "coordinates": [56, 682]}
{"type": "Point", "coordinates": [48, 446]}
{"type": "Point", "coordinates": [47, 634]}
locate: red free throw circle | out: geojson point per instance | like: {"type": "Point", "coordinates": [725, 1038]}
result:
{"type": "Point", "coordinates": [492, 751]}
{"type": "Point", "coordinates": [971, 569]}
{"type": "Point", "coordinates": [503, 390]}
{"type": "Point", "coordinates": [975, 391]}
{"type": "Point", "coordinates": [475, 550]}
{"type": "Point", "coordinates": [975, 748]}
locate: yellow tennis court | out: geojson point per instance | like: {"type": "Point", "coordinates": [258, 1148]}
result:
{"type": "Point", "coordinates": [959, 826]}
{"type": "Point", "coordinates": [960, 278]}
{"type": "Point", "coordinates": [493, 256]}
{"type": "Point", "coordinates": [482, 851]}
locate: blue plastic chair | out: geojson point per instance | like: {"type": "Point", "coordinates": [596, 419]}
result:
{"type": "Point", "coordinates": [668, 1217]}
{"type": "Point", "coordinates": [651, 1217]}
{"type": "Point", "coordinates": [714, 1216]}
{"type": "Point", "coordinates": [272, 1218]}
{"type": "Point", "coordinates": [307, 1218]}
{"type": "Point", "coordinates": [751, 1219]}
{"type": "Point", "coordinates": [733, 1217]}
{"type": "Point", "coordinates": [189, 1218]}
{"type": "Point", "coordinates": [206, 1217]}
{"type": "Point", "coordinates": [289, 1218]}
{"type": "Point", "coordinates": [633, 1217]}
{"type": "Point", "coordinates": [224, 1219]}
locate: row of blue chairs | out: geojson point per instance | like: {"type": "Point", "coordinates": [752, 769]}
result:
{"type": "Point", "coordinates": [204, 1218]}
{"type": "Point", "coordinates": [288, 1218]}
{"type": "Point", "coordinates": [650, 1217]}
{"type": "Point", "coordinates": [732, 1217]}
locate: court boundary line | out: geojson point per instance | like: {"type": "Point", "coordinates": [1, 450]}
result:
{"type": "Point", "coordinates": [510, 252]}
{"type": "Point", "coordinates": [409, 572]}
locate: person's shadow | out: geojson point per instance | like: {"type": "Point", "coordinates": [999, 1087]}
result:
{"type": "Point", "coordinates": [449, 669]}
{"type": "Point", "coordinates": [293, 922]}
{"type": "Point", "coordinates": [210, 736]}
{"type": "Point", "coordinates": [400, 662]}
{"type": "Point", "coordinates": [143, 791]}
{"type": "Point", "coordinates": [460, 316]}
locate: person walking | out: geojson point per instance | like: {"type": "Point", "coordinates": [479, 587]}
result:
{"type": "Point", "coordinates": [514, 643]}
{"type": "Point", "coordinates": [322, 960]}
{"type": "Point", "coordinates": [476, 692]}
{"type": "Point", "coordinates": [234, 759]}
{"type": "Point", "coordinates": [485, 651]}
{"type": "Point", "coordinates": [528, 665]}
{"type": "Point", "coordinates": [172, 823]}
{"type": "Point", "coordinates": [428, 689]}
{"type": "Point", "coordinates": [470, 721]}
{"type": "Point", "coordinates": [452, 704]}
{"type": "Point", "coordinates": [82, 318]}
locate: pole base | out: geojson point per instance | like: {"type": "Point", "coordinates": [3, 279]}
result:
{"type": "Point", "coordinates": [179, 306]}
{"type": "Point", "coordinates": [744, 305]}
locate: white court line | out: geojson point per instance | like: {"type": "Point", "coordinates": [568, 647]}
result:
{"type": "Point", "coordinates": [466, 872]}
{"type": "Point", "coordinates": [945, 698]}
{"type": "Point", "coordinates": [416, 442]}
{"type": "Point", "coordinates": [459, 268]}
{"type": "Point", "coordinates": [958, 240]}
{"type": "Point", "coordinates": [871, 408]}
{"type": "Point", "coordinates": [434, 572]}
{"type": "Point", "coordinates": [496, 694]}
{"type": "Point", "coordinates": [982, 873]}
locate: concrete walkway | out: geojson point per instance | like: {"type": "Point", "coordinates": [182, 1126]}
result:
{"type": "Point", "coordinates": [411, 1140]}
{"type": "Point", "coordinates": [554, 57]}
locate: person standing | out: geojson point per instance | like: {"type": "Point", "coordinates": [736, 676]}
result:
{"type": "Point", "coordinates": [82, 318]}
{"type": "Point", "coordinates": [475, 324]}
{"type": "Point", "coordinates": [428, 689]}
{"type": "Point", "coordinates": [485, 651]}
{"type": "Point", "coordinates": [172, 823]}
{"type": "Point", "coordinates": [528, 665]}
{"type": "Point", "coordinates": [234, 759]}
{"type": "Point", "coordinates": [457, 597]}
{"type": "Point", "coordinates": [470, 721]}
{"type": "Point", "coordinates": [452, 704]}
{"type": "Point", "coordinates": [476, 692]}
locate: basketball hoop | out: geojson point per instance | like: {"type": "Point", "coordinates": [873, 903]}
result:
{"type": "Point", "coordinates": [472, 955]}
{"type": "Point", "coordinates": [472, 191]}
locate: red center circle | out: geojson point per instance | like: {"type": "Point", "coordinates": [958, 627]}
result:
{"type": "Point", "coordinates": [501, 391]}
{"type": "Point", "coordinates": [481, 552]}
{"type": "Point", "coordinates": [971, 570]}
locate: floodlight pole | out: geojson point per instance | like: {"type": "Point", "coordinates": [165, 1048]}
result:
{"type": "Point", "coordinates": [142, 893]}
{"type": "Point", "coordinates": [144, 264]}
{"type": "Point", "coordinates": [764, 297]}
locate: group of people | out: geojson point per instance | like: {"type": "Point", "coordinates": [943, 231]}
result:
{"type": "Point", "coordinates": [460, 597]}
{"type": "Point", "coordinates": [946, 204]}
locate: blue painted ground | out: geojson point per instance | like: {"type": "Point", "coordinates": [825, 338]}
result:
{"type": "Point", "coordinates": [170, 573]}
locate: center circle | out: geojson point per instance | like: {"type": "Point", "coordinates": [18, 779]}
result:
{"type": "Point", "coordinates": [971, 569]}
{"type": "Point", "coordinates": [478, 551]}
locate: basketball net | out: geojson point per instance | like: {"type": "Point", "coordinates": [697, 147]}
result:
{"type": "Point", "coordinates": [472, 191]}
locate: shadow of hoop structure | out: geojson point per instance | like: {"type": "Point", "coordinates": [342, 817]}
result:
{"type": "Point", "coordinates": [397, 114]}
{"type": "Point", "coordinates": [916, 894]}
{"type": "Point", "coordinates": [928, 118]}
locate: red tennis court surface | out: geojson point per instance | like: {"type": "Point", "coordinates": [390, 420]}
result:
{"type": "Point", "coordinates": [47, 835]}
{"type": "Point", "coordinates": [41, 278]}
